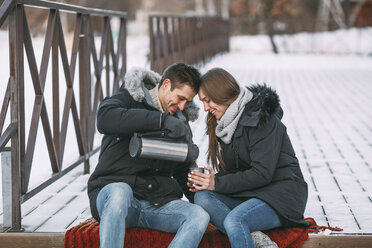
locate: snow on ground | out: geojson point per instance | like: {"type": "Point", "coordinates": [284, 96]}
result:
{"type": "Point", "coordinates": [324, 81]}
{"type": "Point", "coordinates": [341, 42]}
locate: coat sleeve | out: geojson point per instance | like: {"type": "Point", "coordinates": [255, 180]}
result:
{"type": "Point", "coordinates": [181, 175]}
{"type": "Point", "coordinates": [116, 115]}
{"type": "Point", "coordinates": [264, 150]}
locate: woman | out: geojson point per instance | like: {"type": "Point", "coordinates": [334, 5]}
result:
{"type": "Point", "coordinates": [259, 184]}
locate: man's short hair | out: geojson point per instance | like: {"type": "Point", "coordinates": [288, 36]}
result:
{"type": "Point", "coordinates": [180, 74]}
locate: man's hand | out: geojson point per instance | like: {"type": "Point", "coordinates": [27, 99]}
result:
{"type": "Point", "coordinates": [176, 128]}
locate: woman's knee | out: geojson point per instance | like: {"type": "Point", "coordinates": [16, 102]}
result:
{"type": "Point", "coordinates": [232, 221]}
{"type": "Point", "coordinates": [203, 198]}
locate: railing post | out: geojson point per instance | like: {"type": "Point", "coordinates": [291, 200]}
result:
{"type": "Point", "coordinates": [152, 42]}
{"type": "Point", "coordinates": [11, 201]}
{"type": "Point", "coordinates": [6, 170]}
{"type": "Point", "coordinates": [84, 76]}
{"type": "Point", "coordinates": [15, 54]}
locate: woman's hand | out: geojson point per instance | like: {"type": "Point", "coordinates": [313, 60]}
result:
{"type": "Point", "coordinates": [201, 181]}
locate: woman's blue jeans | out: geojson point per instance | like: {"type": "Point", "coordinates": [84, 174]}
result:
{"type": "Point", "coordinates": [118, 209]}
{"type": "Point", "coordinates": [237, 218]}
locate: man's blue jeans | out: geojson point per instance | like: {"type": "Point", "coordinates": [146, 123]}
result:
{"type": "Point", "coordinates": [118, 209]}
{"type": "Point", "coordinates": [237, 218]}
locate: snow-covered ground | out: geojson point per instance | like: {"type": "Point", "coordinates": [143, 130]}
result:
{"type": "Point", "coordinates": [341, 42]}
{"type": "Point", "coordinates": [324, 81]}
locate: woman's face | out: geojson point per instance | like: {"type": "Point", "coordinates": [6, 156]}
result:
{"type": "Point", "coordinates": [218, 110]}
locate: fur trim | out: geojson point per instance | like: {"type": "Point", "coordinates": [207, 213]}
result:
{"type": "Point", "coordinates": [192, 111]}
{"type": "Point", "coordinates": [137, 79]}
{"type": "Point", "coordinates": [268, 102]}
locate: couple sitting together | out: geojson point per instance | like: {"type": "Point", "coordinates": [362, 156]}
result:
{"type": "Point", "coordinates": [255, 181]}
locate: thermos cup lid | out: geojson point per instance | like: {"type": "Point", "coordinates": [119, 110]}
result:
{"type": "Point", "coordinates": [135, 146]}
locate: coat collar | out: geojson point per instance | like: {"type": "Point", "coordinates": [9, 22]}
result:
{"type": "Point", "coordinates": [264, 104]}
{"type": "Point", "coordinates": [138, 82]}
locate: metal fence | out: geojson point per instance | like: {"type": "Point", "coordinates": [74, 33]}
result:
{"type": "Point", "coordinates": [185, 39]}
{"type": "Point", "coordinates": [99, 73]}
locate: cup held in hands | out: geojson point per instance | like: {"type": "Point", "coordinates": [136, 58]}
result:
{"type": "Point", "coordinates": [196, 169]}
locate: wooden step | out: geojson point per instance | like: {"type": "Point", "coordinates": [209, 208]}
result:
{"type": "Point", "coordinates": [55, 240]}
{"type": "Point", "coordinates": [341, 241]}
{"type": "Point", "coordinates": [40, 240]}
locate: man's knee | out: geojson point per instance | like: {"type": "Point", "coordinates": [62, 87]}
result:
{"type": "Point", "coordinates": [198, 216]}
{"type": "Point", "coordinates": [118, 195]}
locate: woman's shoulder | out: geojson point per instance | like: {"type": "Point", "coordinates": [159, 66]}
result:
{"type": "Point", "coordinates": [265, 103]}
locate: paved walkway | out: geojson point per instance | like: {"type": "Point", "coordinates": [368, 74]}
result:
{"type": "Point", "coordinates": [327, 111]}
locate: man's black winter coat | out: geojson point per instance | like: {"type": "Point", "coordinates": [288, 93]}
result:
{"type": "Point", "coordinates": [118, 117]}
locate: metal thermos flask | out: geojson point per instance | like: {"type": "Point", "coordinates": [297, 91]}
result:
{"type": "Point", "coordinates": [145, 146]}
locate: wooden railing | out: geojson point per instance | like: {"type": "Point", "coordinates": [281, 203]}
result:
{"type": "Point", "coordinates": [99, 76]}
{"type": "Point", "coordinates": [185, 39]}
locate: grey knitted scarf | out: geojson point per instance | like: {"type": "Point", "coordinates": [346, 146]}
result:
{"type": "Point", "coordinates": [229, 121]}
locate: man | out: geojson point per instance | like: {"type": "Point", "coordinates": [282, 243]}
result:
{"type": "Point", "coordinates": [129, 192]}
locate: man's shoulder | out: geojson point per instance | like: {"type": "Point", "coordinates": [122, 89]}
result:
{"type": "Point", "coordinates": [122, 94]}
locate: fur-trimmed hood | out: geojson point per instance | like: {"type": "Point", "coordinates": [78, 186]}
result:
{"type": "Point", "coordinates": [266, 103]}
{"type": "Point", "coordinates": [138, 82]}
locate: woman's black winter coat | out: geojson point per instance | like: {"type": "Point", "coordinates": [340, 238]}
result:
{"type": "Point", "coordinates": [118, 117]}
{"type": "Point", "coordinates": [261, 162]}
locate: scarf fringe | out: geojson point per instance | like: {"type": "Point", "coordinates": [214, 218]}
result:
{"type": "Point", "coordinates": [314, 228]}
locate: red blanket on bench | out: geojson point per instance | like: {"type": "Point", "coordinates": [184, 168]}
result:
{"type": "Point", "coordinates": [86, 235]}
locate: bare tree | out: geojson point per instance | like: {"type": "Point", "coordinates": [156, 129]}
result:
{"type": "Point", "coordinates": [271, 12]}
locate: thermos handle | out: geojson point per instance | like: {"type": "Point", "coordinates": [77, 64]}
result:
{"type": "Point", "coordinates": [154, 134]}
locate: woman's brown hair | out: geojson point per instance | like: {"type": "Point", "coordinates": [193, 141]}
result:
{"type": "Point", "coordinates": [220, 87]}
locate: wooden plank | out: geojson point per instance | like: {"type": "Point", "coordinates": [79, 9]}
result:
{"type": "Point", "coordinates": [41, 240]}
{"type": "Point", "coordinates": [73, 8]}
{"type": "Point", "coordinates": [339, 241]}
{"type": "Point", "coordinates": [25, 240]}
